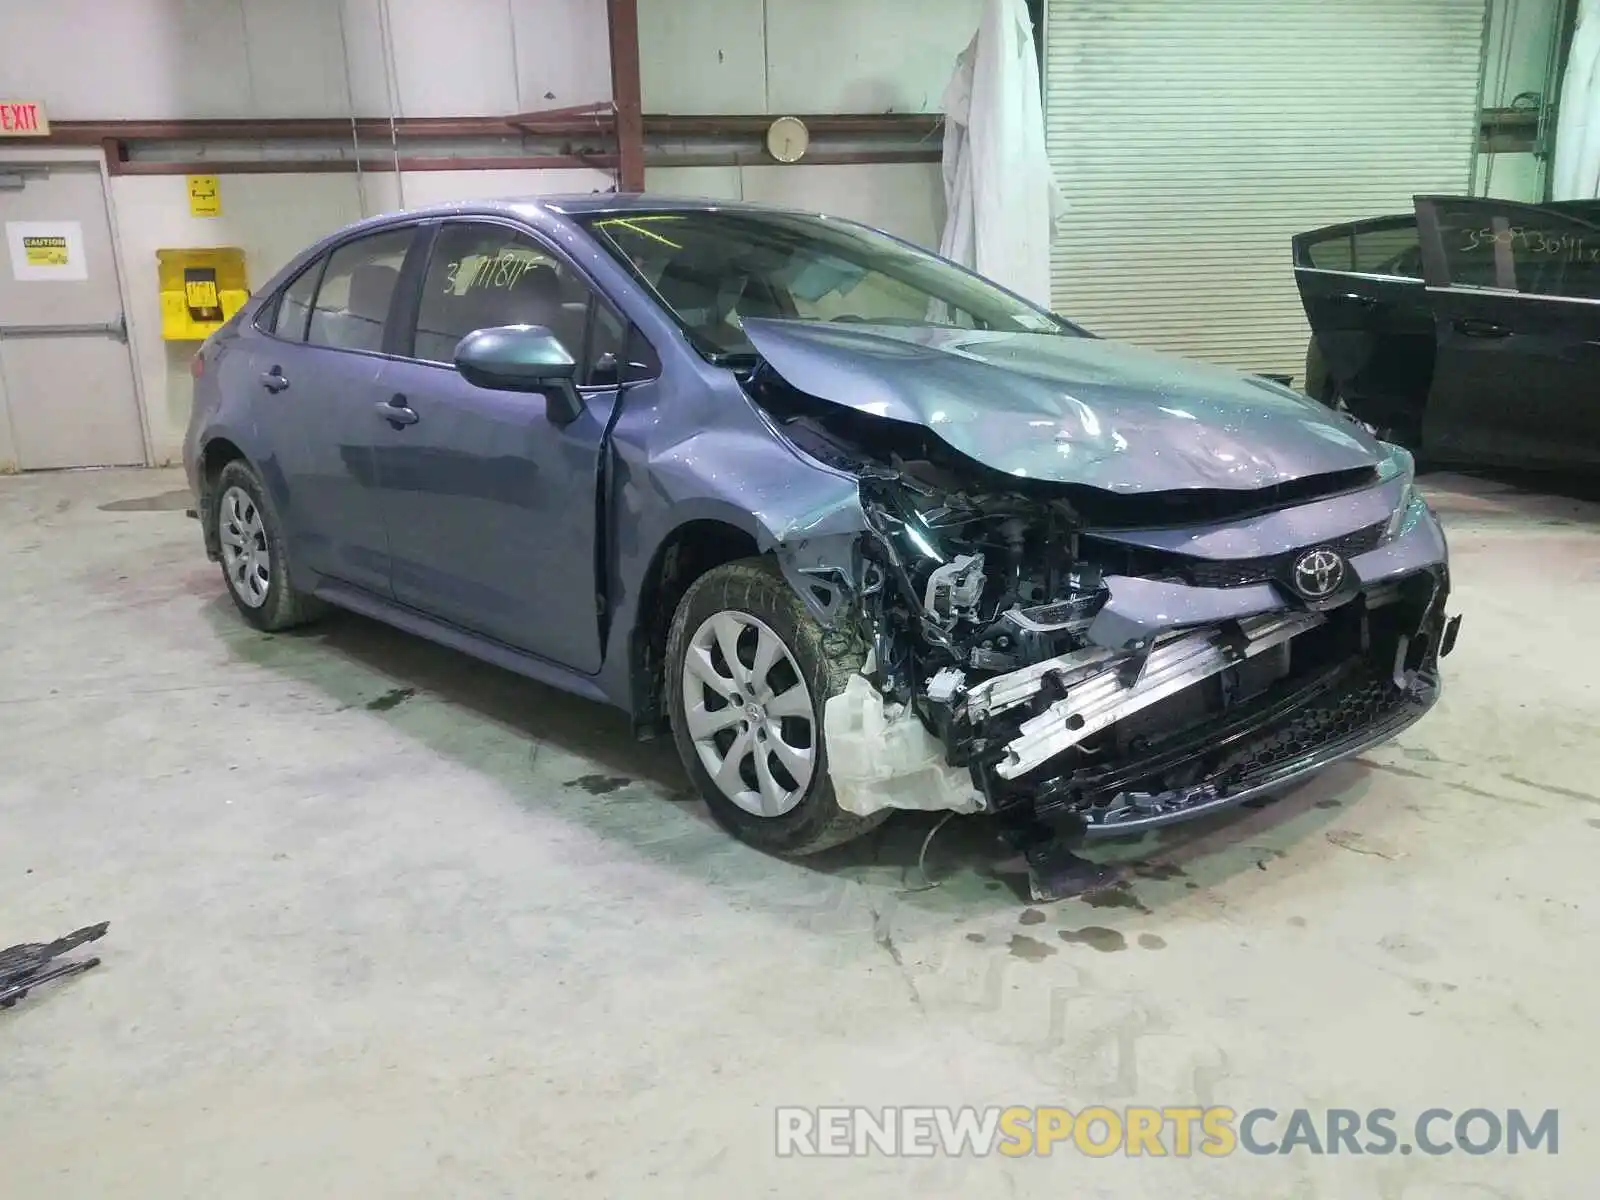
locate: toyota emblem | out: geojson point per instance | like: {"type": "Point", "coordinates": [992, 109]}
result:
{"type": "Point", "coordinates": [1318, 574]}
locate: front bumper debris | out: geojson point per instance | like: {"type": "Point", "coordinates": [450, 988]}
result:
{"type": "Point", "coordinates": [1263, 752]}
{"type": "Point", "coordinates": [1110, 695]}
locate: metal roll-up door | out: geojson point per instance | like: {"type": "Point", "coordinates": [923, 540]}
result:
{"type": "Point", "coordinates": [1194, 138]}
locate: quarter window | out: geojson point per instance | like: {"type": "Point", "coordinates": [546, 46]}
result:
{"type": "Point", "coordinates": [353, 302]}
{"type": "Point", "coordinates": [608, 336]}
{"type": "Point", "coordinates": [294, 306]}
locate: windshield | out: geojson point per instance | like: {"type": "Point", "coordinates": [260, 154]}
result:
{"type": "Point", "coordinates": [712, 268]}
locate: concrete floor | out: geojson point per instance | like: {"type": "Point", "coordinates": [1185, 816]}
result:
{"type": "Point", "coordinates": [385, 922]}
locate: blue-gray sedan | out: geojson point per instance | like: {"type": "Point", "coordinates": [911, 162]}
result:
{"type": "Point", "coordinates": [862, 530]}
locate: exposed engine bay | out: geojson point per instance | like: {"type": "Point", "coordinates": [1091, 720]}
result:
{"type": "Point", "coordinates": [1087, 681]}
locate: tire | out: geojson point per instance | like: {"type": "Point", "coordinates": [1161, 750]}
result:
{"type": "Point", "coordinates": [253, 549]}
{"type": "Point", "coordinates": [770, 812]}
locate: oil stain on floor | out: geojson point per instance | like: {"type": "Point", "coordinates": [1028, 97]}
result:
{"type": "Point", "coordinates": [1029, 949]}
{"type": "Point", "coordinates": [175, 501]}
{"type": "Point", "coordinates": [599, 785]}
{"type": "Point", "coordinates": [1096, 936]}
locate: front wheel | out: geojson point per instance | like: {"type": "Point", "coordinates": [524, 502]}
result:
{"type": "Point", "coordinates": [749, 672]}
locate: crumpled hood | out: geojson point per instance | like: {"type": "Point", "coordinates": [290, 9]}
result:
{"type": "Point", "coordinates": [1069, 409]}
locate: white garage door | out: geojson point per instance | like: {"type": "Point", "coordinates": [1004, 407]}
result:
{"type": "Point", "coordinates": [1193, 138]}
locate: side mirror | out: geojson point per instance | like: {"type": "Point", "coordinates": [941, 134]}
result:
{"type": "Point", "coordinates": [522, 358]}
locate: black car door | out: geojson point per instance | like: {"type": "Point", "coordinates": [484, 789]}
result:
{"type": "Point", "coordinates": [1515, 291]}
{"type": "Point", "coordinates": [320, 371]}
{"type": "Point", "coordinates": [1361, 285]}
{"type": "Point", "coordinates": [491, 504]}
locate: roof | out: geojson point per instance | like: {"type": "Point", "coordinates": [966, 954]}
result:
{"type": "Point", "coordinates": [583, 203]}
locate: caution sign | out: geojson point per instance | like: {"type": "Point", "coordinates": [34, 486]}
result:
{"type": "Point", "coordinates": [45, 251]}
{"type": "Point", "coordinates": [205, 196]}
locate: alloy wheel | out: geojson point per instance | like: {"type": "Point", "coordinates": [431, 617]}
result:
{"type": "Point", "coordinates": [246, 557]}
{"type": "Point", "coordinates": [749, 713]}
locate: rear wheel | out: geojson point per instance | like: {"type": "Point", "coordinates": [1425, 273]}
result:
{"type": "Point", "coordinates": [254, 555]}
{"type": "Point", "coordinates": [748, 675]}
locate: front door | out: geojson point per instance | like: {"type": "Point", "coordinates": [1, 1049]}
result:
{"type": "Point", "coordinates": [1361, 285]}
{"type": "Point", "coordinates": [1515, 291]}
{"type": "Point", "coordinates": [67, 396]}
{"type": "Point", "coordinates": [492, 505]}
{"type": "Point", "coordinates": [321, 368]}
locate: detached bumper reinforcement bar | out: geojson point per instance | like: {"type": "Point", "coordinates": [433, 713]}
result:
{"type": "Point", "coordinates": [1104, 699]}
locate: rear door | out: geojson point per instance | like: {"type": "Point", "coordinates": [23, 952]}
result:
{"type": "Point", "coordinates": [1515, 291]}
{"type": "Point", "coordinates": [1361, 285]}
{"type": "Point", "coordinates": [319, 370]}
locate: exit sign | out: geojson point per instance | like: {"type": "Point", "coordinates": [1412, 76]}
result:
{"type": "Point", "coordinates": [23, 118]}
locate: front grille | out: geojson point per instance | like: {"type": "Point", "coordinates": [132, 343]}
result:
{"type": "Point", "coordinates": [1367, 702]}
{"type": "Point", "coordinates": [1231, 572]}
{"type": "Point", "coordinates": [1239, 747]}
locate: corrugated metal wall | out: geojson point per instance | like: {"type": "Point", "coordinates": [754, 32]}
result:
{"type": "Point", "coordinates": [1193, 138]}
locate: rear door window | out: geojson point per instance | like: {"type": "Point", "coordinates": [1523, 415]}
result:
{"type": "Point", "coordinates": [352, 305]}
{"type": "Point", "coordinates": [1382, 246]}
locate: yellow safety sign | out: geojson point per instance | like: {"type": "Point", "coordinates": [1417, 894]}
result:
{"type": "Point", "coordinates": [45, 251]}
{"type": "Point", "coordinates": [205, 196]}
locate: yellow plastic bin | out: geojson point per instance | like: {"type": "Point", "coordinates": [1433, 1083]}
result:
{"type": "Point", "coordinates": [200, 290]}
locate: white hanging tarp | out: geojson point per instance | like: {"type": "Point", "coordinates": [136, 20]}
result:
{"type": "Point", "coordinates": [1577, 161]}
{"type": "Point", "coordinates": [1001, 198]}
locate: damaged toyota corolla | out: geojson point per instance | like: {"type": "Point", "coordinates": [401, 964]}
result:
{"type": "Point", "coordinates": [863, 530]}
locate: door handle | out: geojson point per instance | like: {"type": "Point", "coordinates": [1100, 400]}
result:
{"type": "Point", "coordinates": [1481, 329]}
{"type": "Point", "coordinates": [397, 412]}
{"type": "Point", "coordinates": [273, 380]}
{"type": "Point", "coordinates": [1356, 299]}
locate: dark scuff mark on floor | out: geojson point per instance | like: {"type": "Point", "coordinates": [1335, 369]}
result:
{"type": "Point", "coordinates": [393, 698]}
{"type": "Point", "coordinates": [1117, 896]}
{"type": "Point", "coordinates": [1350, 840]}
{"type": "Point", "coordinates": [1152, 941]}
{"type": "Point", "coordinates": [1098, 937]}
{"type": "Point", "coordinates": [175, 501]}
{"type": "Point", "coordinates": [1158, 870]}
{"type": "Point", "coordinates": [884, 936]}
{"type": "Point", "coordinates": [1329, 803]}
{"type": "Point", "coordinates": [1029, 949]}
{"type": "Point", "coordinates": [1406, 773]}
{"type": "Point", "coordinates": [1553, 788]}
{"type": "Point", "coordinates": [976, 938]}
{"type": "Point", "coordinates": [599, 785]}
{"type": "Point", "coordinates": [1031, 916]}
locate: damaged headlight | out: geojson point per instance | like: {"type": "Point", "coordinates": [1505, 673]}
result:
{"type": "Point", "coordinates": [1401, 465]}
{"type": "Point", "coordinates": [1406, 514]}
